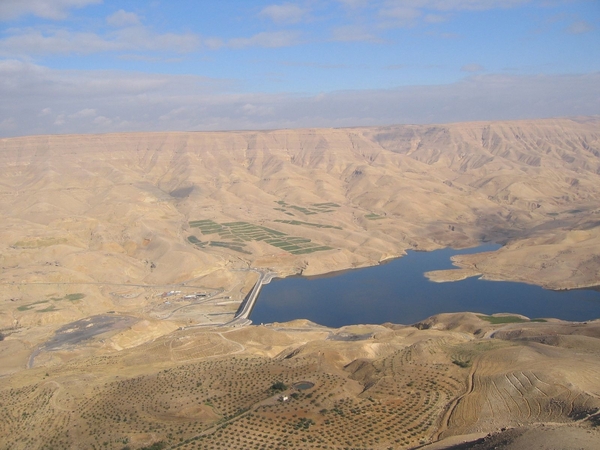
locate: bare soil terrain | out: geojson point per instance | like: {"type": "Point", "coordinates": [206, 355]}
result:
{"type": "Point", "coordinates": [444, 380]}
{"type": "Point", "coordinates": [124, 255]}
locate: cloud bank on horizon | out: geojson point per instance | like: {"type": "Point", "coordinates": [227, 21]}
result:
{"type": "Point", "coordinates": [84, 66]}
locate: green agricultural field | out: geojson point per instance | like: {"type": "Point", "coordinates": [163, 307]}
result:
{"type": "Point", "coordinates": [326, 205]}
{"type": "Point", "coordinates": [315, 208]}
{"type": "Point", "coordinates": [229, 245]}
{"type": "Point", "coordinates": [31, 305]}
{"type": "Point", "coordinates": [307, 224]}
{"type": "Point", "coordinates": [70, 297]}
{"type": "Point", "coordinates": [206, 226]}
{"type": "Point", "coordinates": [234, 234]}
{"type": "Point", "coordinates": [373, 216]}
{"type": "Point", "coordinates": [303, 251]}
{"type": "Point", "coordinates": [194, 240]}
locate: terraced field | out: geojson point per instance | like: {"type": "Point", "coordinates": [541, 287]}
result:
{"type": "Point", "coordinates": [370, 388]}
{"type": "Point", "coordinates": [229, 403]}
{"type": "Point", "coordinates": [523, 385]}
{"type": "Point", "coordinates": [307, 224]}
{"type": "Point", "coordinates": [238, 233]}
{"type": "Point", "coordinates": [315, 208]}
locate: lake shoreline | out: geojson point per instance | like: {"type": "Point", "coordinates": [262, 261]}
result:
{"type": "Point", "coordinates": [410, 288]}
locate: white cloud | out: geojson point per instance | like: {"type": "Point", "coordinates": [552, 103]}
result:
{"type": "Point", "coordinates": [86, 112]}
{"type": "Point", "coordinates": [102, 121]}
{"type": "Point", "coordinates": [48, 9]}
{"type": "Point", "coordinates": [313, 65]}
{"type": "Point", "coordinates": [435, 18]}
{"type": "Point", "coordinates": [351, 33]}
{"type": "Point", "coordinates": [406, 13]}
{"type": "Point", "coordinates": [137, 101]}
{"type": "Point", "coordinates": [143, 38]}
{"type": "Point", "coordinates": [580, 27]}
{"type": "Point", "coordinates": [30, 42]}
{"type": "Point", "coordinates": [213, 43]}
{"type": "Point", "coordinates": [472, 68]}
{"type": "Point", "coordinates": [123, 18]}
{"type": "Point", "coordinates": [456, 5]}
{"type": "Point", "coordinates": [60, 120]}
{"type": "Point", "coordinates": [354, 3]}
{"type": "Point", "coordinates": [45, 112]}
{"type": "Point", "coordinates": [400, 13]}
{"type": "Point", "coordinates": [267, 39]}
{"type": "Point", "coordinates": [285, 13]}
{"type": "Point", "coordinates": [250, 109]}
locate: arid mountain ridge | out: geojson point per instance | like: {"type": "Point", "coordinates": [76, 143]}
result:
{"type": "Point", "coordinates": [531, 182]}
{"type": "Point", "coordinates": [124, 256]}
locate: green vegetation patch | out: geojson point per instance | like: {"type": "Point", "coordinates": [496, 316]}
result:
{"type": "Point", "coordinates": [234, 234]}
{"type": "Point", "coordinates": [373, 216]}
{"type": "Point", "coordinates": [462, 363]}
{"type": "Point", "coordinates": [302, 210]}
{"type": "Point", "coordinates": [315, 208]}
{"type": "Point", "coordinates": [39, 242]}
{"type": "Point", "coordinates": [279, 386]}
{"type": "Point", "coordinates": [228, 245]}
{"type": "Point", "coordinates": [31, 305]}
{"type": "Point", "coordinates": [496, 320]}
{"type": "Point", "coordinates": [326, 205]}
{"type": "Point", "coordinates": [308, 224]}
{"type": "Point", "coordinates": [303, 424]}
{"type": "Point", "coordinates": [288, 248]}
{"type": "Point", "coordinates": [156, 446]}
{"type": "Point", "coordinates": [321, 248]}
{"type": "Point", "coordinates": [206, 226]}
{"type": "Point", "coordinates": [70, 297]}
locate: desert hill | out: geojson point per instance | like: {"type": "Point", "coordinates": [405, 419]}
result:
{"type": "Point", "coordinates": [127, 199]}
{"type": "Point", "coordinates": [123, 255]}
{"type": "Point", "coordinates": [305, 386]}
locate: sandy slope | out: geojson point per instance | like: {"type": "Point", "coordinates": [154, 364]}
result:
{"type": "Point", "coordinates": [99, 223]}
{"type": "Point", "coordinates": [124, 200]}
{"type": "Point", "coordinates": [102, 226]}
{"type": "Point", "coordinates": [453, 377]}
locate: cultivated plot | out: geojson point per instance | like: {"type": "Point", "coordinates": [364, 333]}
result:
{"type": "Point", "coordinates": [236, 234]}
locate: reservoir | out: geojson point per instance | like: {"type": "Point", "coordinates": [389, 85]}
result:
{"type": "Point", "coordinates": [398, 292]}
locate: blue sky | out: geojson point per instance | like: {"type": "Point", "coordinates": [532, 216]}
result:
{"type": "Point", "coordinates": [101, 65]}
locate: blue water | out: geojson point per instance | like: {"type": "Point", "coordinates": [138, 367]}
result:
{"type": "Point", "coordinates": [398, 292]}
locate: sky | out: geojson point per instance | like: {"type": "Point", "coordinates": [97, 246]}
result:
{"type": "Point", "coordinates": [97, 66]}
